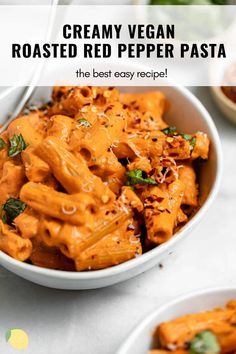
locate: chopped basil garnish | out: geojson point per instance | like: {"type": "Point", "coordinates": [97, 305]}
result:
{"type": "Point", "coordinates": [18, 144]}
{"type": "Point", "coordinates": [12, 208]}
{"type": "Point", "coordinates": [193, 141]}
{"type": "Point", "coordinates": [186, 136]}
{"type": "Point", "coordinates": [2, 144]}
{"type": "Point", "coordinates": [204, 342]}
{"type": "Point", "coordinates": [169, 130]}
{"type": "Point", "coordinates": [136, 177]}
{"type": "Point", "coordinates": [84, 122]}
{"type": "Point", "coordinates": [172, 131]}
{"type": "Point", "coordinates": [190, 138]}
{"type": "Point", "coordinates": [4, 219]}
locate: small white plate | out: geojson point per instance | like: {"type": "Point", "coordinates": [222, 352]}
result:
{"type": "Point", "coordinates": [140, 341]}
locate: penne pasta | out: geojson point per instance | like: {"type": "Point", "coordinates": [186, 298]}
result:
{"type": "Point", "coordinates": [187, 176]}
{"type": "Point", "coordinates": [36, 170]}
{"type": "Point", "coordinates": [60, 127]}
{"type": "Point", "coordinates": [110, 251]}
{"type": "Point", "coordinates": [59, 205]}
{"type": "Point", "coordinates": [161, 211]}
{"type": "Point", "coordinates": [27, 223]}
{"type": "Point", "coordinates": [50, 257]}
{"type": "Point", "coordinates": [201, 148]}
{"type": "Point", "coordinates": [13, 177]}
{"type": "Point", "coordinates": [72, 172]}
{"type": "Point", "coordinates": [12, 244]}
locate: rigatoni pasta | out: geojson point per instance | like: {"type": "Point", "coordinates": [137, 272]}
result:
{"type": "Point", "coordinates": [95, 178]}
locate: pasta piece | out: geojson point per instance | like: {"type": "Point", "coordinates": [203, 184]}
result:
{"type": "Point", "coordinates": [99, 138]}
{"type": "Point", "coordinates": [161, 210]}
{"type": "Point", "coordinates": [59, 205]}
{"type": "Point", "coordinates": [110, 251]}
{"type": "Point", "coordinates": [77, 239]}
{"type": "Point", "coordinates": [181, 217]}
{"type": "Point", "coordinates": [177, 147]}
{"type": "Point", "coordinates": [72, 172]}
{"type": "Point", "coordinates": [12, 244]}
{"type": "Point", "coordinates": [36, 169]}
{"type": "Point", "coordinates": [142, 163]}
{"type": "Point", "coordinates": [51, 181]}
{"type": "Point", "coordinates": [201, 148]}
{"type": "Point", "coordinates": [61, 127]}
{"type": "Point", "coordinates": [187, 176]}
{"type": "Point", "coordinates": [30, 126]}
{"type": "Point", "coordinates": [50, 257]}
{"type": "Point", "coordinates": [27, 223]}
{"type": "Point", "coordinates": [12, 179]}
{"type": "Point", "coordinates": [70, 100]}
{"type": "Point", "coordinates": [135, 144]}
{"type": "Point", "coordinates": [227, 341]}
{"type": "Point", "coordinates": [151, 105]}
{"type": "Point", "coordinates": [183, 329]}
{"type": "Point", "coordinates": [111, 171]}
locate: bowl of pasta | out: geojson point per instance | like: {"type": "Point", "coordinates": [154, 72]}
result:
{"type": "Point", "coordinates": [198, 323]}
{"type": "Point", "coordinates": [99, 184]}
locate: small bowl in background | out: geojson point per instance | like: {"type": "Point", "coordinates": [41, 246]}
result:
{"type": "Point", "coordinates": [140, 341]}
{"type": "Point", "coordinates": [226, 105]}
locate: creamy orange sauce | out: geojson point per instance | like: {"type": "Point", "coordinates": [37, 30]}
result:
{"type": "Point", "coordinates": [100, 176]}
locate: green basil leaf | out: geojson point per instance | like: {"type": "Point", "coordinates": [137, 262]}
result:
{"type": "Point", "coordinates": [186, 136]}
{"type": "Point", "coordinates": [2, 144]}
{"type": "Point", "coordinates": [17, 145]}
{"type": "Point", "coordinates": [84, 122]}
{"type": "Point", "coordinates": [190, 138]}
{"type": "Point", "coordinates": [4, 219]}
{"type": "Point", "coordinates": [169, 130]}
{"type": "Point", "coordinates": [12, 208]}
{"type": "Point", "coordinates": [193, 141]}
{"type": "Point", "coordinates": [136, 177]}
{"type": "Point", "coordinates": [204, 342]}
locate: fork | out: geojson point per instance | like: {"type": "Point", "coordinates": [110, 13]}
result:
{"type": "Point", "coordinates": [29, 90]}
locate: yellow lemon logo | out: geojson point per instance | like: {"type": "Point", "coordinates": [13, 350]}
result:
{"type": "Point", "coordinates": [17, 338]}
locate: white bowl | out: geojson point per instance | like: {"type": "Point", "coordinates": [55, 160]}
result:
{"type": "Point", "coordinates": [189, 115]}
{"type": "Point", "coordinates": [140, 341]}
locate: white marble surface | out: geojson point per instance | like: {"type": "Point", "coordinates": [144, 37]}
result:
{"type": "Point", "coordinates": [98, 321]}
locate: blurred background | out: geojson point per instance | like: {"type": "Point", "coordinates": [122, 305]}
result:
{"type": "Point", "coordinates": [123, 2]}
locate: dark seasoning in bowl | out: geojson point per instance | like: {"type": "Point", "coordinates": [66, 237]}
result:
{"type": "Point", "coordinates": [229, 88]}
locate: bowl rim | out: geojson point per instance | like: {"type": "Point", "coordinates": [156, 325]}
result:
{"type": "Point", "coordinates": [138, 329]}
{"type": "Point", "coordinates": [219, 94]}
{"type": "Point", "coordinates": [145, 257]}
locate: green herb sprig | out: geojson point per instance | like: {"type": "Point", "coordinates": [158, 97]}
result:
{"type": "Point", "coordinates": [137, 177]}
{"type": "Point", "coordinates": [11, 209]}
{"type": "Point", "coordinates": [2, 144]}
{"type": "Point", "coordinates": [84, 122]}
{"type": "Point", "coordinates": [173, 132]}
{"type": "Point", "coordinates": [17, 145]}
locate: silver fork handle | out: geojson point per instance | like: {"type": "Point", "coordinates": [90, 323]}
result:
{"type": "Point", "coordinates": [29, 90]}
